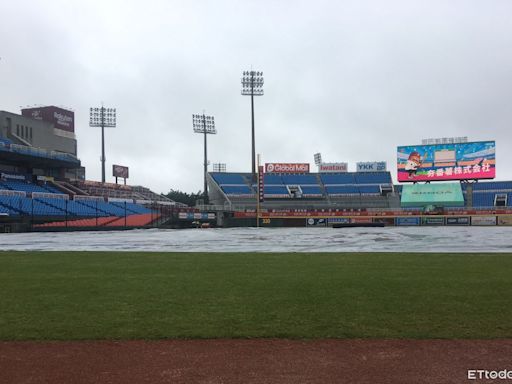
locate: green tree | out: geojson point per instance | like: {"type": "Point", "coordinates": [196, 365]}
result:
{"type": "Point", "coordinates": [184, 197]}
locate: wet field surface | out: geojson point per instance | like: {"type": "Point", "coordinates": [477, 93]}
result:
{"type": "Point", "coordinates": [386, 239]}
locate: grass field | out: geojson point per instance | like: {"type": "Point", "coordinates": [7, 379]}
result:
{"type": "Point", "coordinates": [119, 295]}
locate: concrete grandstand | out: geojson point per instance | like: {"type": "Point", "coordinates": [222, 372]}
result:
{"type": "Point", "coordinates": [43, 186]}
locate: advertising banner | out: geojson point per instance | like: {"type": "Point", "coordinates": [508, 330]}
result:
{"type": "Point", "coordinates": [361, 220]}
{"type": "Point", "coordinates": [59, 117]}
{"type": "Point", "coordinates": [338, 220]}
{"type": "Point", "coordinates": [407, 221]}
{"type": "Point", "coordinates": [14, 177]}
{"type": "Point", "coordinates": [287, 168]}
{"type": "Point", "coordinates": [463, 220]}
{"type": "Point", "coordinates": [461, 161]}
{"type": "Point", "coordinates": [384, 220]}
{"type": "Point", "coordinates": [504, 220]}
{"type": "Point", "coordinates": [120, 171]}
{"type": "Point", "coordinates": [432, 221]}
{"type": "Point", "coordinates": [483, 220]}
{"type": "Point", "coordinates": [333, 167]}
{"type": "Point", "coordinates": [371, 166]}
{"type": "Point", "coordinates": [422, 195]}
{"type": "Point", "coordinates": [196, 216]}
{"type": "Point", "coordinates": [316, 222]}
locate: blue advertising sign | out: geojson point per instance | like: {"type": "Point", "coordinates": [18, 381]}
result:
{"type": "Point", "coordinates": [407, 221]}
{"type": "Point", "coordinates": [338, 220]}
{"type": "Point", "coordinates": [463, 220]}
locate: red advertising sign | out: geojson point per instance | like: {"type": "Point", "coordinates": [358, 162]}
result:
{"type": "Point", "coordinates": [120, 171]}
{"type": "Point", "coordinates": [287, 168]}
{"type": "Point", "coordinates": [59, 117]}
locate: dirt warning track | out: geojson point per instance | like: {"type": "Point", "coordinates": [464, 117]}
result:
{"type": "Point", "coordinates": [253, 361]}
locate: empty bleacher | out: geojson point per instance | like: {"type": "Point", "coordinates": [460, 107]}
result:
{"type": "Point", "coordinates": [19, 185]}
{"type": "Point", "coordinates": [349, 189]}
{"type": "Point", "coordinates": [110, 190]}
{"type": "Point", "coordinates": [314, 189]}
{"type": "Point", "coordinates": [43, 202]}
{"type": "Point", "coordinates": [234, 184]}
{"type": "Point", "coordinates": [139, 220]}
{"type": "Point", "coordinates": [42, 206]}
{"type": "Point", "coordinates": [490, 194]}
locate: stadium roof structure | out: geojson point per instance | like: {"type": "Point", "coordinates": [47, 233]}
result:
{"type": "Point", "coordinates": [16, 154]}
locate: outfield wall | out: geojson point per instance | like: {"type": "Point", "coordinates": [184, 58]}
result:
{"type": "Point", "coordinates": [388, 218]}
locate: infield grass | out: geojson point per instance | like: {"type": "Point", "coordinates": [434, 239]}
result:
{"type": "Point", "coordinates": [121, 295]}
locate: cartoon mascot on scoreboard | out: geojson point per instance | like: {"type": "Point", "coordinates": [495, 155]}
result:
{"type": "Point", "coordinates": [413, 164]}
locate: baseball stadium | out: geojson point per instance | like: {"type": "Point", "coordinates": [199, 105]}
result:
{"type": "Point", "coordinates": [134, 316]}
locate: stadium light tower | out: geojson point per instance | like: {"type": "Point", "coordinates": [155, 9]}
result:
{"type": "Point", "coordinates": [318, 159]}
{"type": "Point", "coordinates": [205, 125]}
{"type": "Point", "coordinates": [104, 118]}
{"type": "Point", "coordinates": [252, 85]}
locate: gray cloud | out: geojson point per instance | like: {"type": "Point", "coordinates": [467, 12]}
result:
{"type": "Point", "coordinates": [351, 79]}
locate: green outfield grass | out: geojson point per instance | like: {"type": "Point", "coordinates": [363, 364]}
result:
{"type": "Point", "coordinates": [119, 295]}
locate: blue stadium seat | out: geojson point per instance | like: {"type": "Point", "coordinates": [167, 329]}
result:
{"type": "Point", "coordinates": [337, 178]}
{"type": "Point", "coordinates": [16, 205]}
{"type": "Point", "coordinates": [299, 179]}
{"type": "Point", "coordinates": [373, 178]}
{"type": "Point", "coordinates": [311, 190]}
{"type": "Point", "coordinates": [493, 185]}
{"type": "Point", "coordinates": [483, 199]}
{"type": "Point", "coordinates": [236, 190]}
{"type": "Point", "coordinates": [275, 190]}
{"type": "Point", "coordinates": [369, 189]}
{"type": "Point", "coordinates": [228, 178]}
{"type": "Point", "coordinates": [272, 179]}
{"type": "Point", "coordinates": [342, 190]}
{"type": "Point", "coordinates": [18, 185]}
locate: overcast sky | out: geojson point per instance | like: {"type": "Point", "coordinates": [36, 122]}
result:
{"type": "Point", "coordinates": [349, 79]}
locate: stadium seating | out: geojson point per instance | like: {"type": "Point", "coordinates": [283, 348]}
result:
{"type": "Point", "coordinates": [312, 185]}
{"type": "Point", "coordinates": [373, 178]}
{"type": "Point", "coordinates": [334, 190]}
{"type": "Point", "coordinates": [290, 179]}
{"type": "Point", "coordinates": [18, 185]}
{"type": "Point", "coordinates": [236, 190]}
{"type": "Point", "coordinates": [483, 199]}
{"type": "Point", "coordinates": [17, 205]}
{"type": "Point", "coordinates": [94, 188]}
{"type": "Point", "coordinates": [349, 189]}
{"type": "Point", "coordinates": [276, 190]}
{"type": "Point", "coordinates": [228, 178]}
{"type": "Point", "coordinates": [139, 220]}
{"type": "Point", "coordinates": [493, 186]}
{"type": "Point", "coordinates": [337, 178]}
{"type": "Point", "coordinates": [369, 189]}
{"type": "Point", "coordinates": [311, 190]}
{"type": "Point", "coordinates": [234, 184]}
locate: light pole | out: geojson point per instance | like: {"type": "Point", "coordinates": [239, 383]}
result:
{"type": "Point", "coordinates": [219, 167]}
{"type": "Point", "coordinates": [205, 125]}
{"type": "Point", "coordinates": [252, 85]}
{"type": "Point", "coordinates": [104, 118]}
